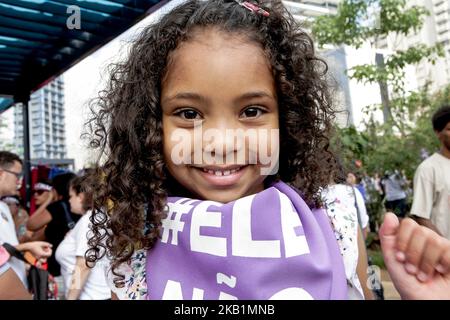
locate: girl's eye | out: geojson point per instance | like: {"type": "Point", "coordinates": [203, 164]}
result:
{"type": "Point", "coordinates": [252, 112]}
{"type": "Point", "coordinates": [188, 114]}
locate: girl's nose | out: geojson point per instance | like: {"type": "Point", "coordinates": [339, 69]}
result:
{"type": "Point", "coordinates": [222, 141]}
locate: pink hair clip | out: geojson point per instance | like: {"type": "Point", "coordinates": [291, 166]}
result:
{"type": "Point", "coordinates": [253, 7]}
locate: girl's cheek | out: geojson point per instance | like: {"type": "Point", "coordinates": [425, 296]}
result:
{"type": "Point", "coordinates": [265, 150]}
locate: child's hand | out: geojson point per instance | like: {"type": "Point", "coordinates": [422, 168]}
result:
{"type": "Point", "coordinates": [417, 258]}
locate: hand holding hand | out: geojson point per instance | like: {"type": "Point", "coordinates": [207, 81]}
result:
{"type": "Point", "coordinates": [417, 259]}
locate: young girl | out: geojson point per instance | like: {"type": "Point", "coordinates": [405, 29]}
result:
{"type": "Point", "coordinates": [213, 99]}
{"type": "Point", "coordinates": [80, 281]}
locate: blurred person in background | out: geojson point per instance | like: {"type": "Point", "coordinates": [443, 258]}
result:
{"type": "Point", "coordinates": [10, 179]}
{"type": "Point", "coordinates": [20, 216]}
{"type": "Point", "coordinates": [43, 195]}
{"type": "Point", "coordinates": [81, 282]}
{"type": "Point", "coordinates": [341, 198]}
{"type": "Point", "coordinates": [57, 220]}
{"type": "Point", "coordinates": [395, 185]}
{"type": "Point", "coordinates": [359, 201]}
{"type": "Point", "coordinates": [431, 203]}
{"type": "Point", "coordinates": [355, 181]}
{"type": "Point", "coordinates": [11, 288]}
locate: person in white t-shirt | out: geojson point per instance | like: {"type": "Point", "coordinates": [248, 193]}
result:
{"type": "Point", "coordinates": [431, 204]}
{"type": "Point", "coordinates": [10, 178]}
{"type": "Point", "coordinates": [81, 282]}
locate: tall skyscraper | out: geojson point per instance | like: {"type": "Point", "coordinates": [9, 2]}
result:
{"type": "Point", "coordinates": [47, 122]}
{"type": "Point", "coordinates": [305, 11]}
{"type": "Point", "coordinates": [435, 30]}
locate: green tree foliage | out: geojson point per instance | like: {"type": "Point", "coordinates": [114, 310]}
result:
{"type": "Point", "coordinates": [358, 20]}
{"type": "Point", "coordinates": [379, 149]}
{"type": "Point", "coordinates": [399, 142]}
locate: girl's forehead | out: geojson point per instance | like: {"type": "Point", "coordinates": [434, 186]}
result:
{"type": "Point", "coordinates": [217, 59]}
{"type": "Point", "coordinates": [212, 41]}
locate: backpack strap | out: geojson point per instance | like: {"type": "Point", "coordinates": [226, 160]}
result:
{"type": "Point", "coordinates": [69, 220]}
{"type": "Point", "coordinates": [14, 252]}
{"type": "Point", "coordinates": [357, 207]}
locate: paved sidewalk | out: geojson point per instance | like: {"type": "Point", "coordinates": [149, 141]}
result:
{"type": "Point", "coordinates": [390, 293]}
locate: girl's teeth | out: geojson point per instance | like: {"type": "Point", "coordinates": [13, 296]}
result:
{"type": "Point", "coordinates": [221, 173]}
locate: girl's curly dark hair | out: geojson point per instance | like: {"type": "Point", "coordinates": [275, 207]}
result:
{"type": "Point", "coordinates": [127, 122]}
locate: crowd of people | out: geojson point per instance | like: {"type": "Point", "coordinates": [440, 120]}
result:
{"type": "Point", "coordinates": [57, 229]}
{"type": "Point", "coordinates": [146, 224]}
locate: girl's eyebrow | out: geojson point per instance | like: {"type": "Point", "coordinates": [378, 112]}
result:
{"type": "Point", "coordinates": [255, 94]}
{"type": "Point", "coordinates": [198, 97]}
{"type": "Point", "coordinates": [186, 95]}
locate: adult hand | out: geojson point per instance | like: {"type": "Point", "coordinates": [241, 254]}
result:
{"type": "Point", "coordinates": [417, 259]}
{"type": "Point", "coordinates": [49, 199]}
{"type": "Point", "coordinates": [39, 249]}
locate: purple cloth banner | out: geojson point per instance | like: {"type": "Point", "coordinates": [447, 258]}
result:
{"type": "Point", "coordinates": [265, 246]}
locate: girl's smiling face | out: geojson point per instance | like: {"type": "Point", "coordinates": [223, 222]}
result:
{"type": "Point", "coordinates": [217, 86]}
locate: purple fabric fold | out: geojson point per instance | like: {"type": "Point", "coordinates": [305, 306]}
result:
{"type": "Point", "coordinates": [270, 245]}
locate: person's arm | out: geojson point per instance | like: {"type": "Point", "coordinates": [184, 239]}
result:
{"type": "Point", "coordinates": [79, 277]}
{"type": "Point", "coordinates": [39, 249]}
{"type": "Point", "coordinates": [114, 296]}
{"type": "Point", "coordinates": [365, 232]}
{"type": "Point", "coordinates": [362, 212]}
{"type": "Point", "coordinates": [11, 288]}
{"type": "Point", "coordinates": [40, 217]}
{"type": "Point", "coordinates": [81, 271]}
{"type": "Point", "coordinates": [38, 235]}
{"type": "Point", "coordinates": [362, 267]}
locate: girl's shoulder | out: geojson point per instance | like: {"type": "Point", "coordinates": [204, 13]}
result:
{"type": "Point", "coordinates": [135, 285]}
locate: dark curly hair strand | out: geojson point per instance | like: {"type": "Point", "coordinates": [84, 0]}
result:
{"type": "Point", "coordinates": [127, 122]}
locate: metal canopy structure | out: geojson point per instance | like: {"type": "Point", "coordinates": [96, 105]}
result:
{"type": "Point", "coordinates": [40, 39]}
